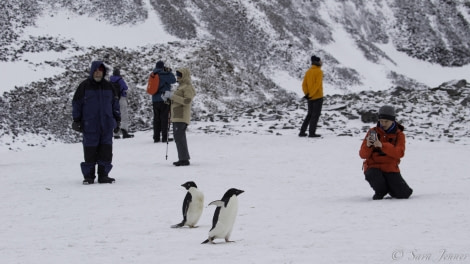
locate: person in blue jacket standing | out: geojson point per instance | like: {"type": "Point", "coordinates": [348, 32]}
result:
{"type": "Point", "coordinates": [161, 108]}
{"type": "Point", "coordinates": [96, 114]}
{"type": "Point", "coordinates": [122, 88]}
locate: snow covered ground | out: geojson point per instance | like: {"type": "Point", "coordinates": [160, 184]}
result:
{"type": "Point", "coordinates": [305, 201]}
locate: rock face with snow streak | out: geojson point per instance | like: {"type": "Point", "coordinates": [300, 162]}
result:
{"type": "Point", "coordinates": [233, 61]}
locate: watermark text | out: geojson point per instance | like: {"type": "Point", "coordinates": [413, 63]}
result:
{"type": "Point", "coordinates": [438, 256]}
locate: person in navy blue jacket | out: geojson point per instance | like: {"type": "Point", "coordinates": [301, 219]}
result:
{"type": "Point", "coordinates": [160, 107]}
{"type": "Point", "coordinates": [122, 87]}
{"type": "Point", "coordinates": [96, 113]}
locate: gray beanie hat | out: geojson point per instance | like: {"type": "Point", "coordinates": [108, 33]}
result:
{"type": "Point", "coordinates": [387, 112]}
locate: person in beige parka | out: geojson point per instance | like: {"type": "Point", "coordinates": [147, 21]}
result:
{"type": "Point", "coordinates": [181, 101]}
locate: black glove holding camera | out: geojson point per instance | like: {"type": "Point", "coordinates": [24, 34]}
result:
{"type": "Point", "coordinates": [77, 126]}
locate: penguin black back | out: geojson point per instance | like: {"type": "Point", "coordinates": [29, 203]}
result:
{"type": "Point", "coordinates": [191, 216]}
{"type": "Point", "coordinates": [224, 215]}
{"type": "Point", "coordinates": [225, 199]}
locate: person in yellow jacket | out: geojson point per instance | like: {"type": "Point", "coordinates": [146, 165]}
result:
{"type": "Point", "coordinates": [312, 87]}
{"type": "Point", "coordinates": [181, 101]}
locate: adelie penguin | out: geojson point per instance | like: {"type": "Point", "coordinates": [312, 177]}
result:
{"type": "Point", "coordinates": [192, 205]}
{"type": "Point", "coordinates": [224, 216]}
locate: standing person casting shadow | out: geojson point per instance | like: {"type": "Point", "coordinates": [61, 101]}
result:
{"type": "Point", "coordinates": [312, 86]}
{"type": "Point", "coordinates": [96, 114]}
{"type": "Point", "coordinates": [181, 102]}
{"type": "Point", "coordinates": [122, 90]}
{"type": "Point", "coordinates": [160, 108]}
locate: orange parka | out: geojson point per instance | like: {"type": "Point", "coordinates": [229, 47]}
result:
{"type": "Point", "coordinates": [393, 149]}
{"type": "Point", "coordinates": [313, 83]}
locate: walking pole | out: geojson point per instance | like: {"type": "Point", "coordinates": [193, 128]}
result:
{"type": "Point", "coordinates": [168, 131]}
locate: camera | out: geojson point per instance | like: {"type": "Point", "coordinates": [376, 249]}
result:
{"type": "Point", "coordinates": [167, 69]}
{"type": "Point", "coordinates": [373, 135]}
{"type": "Point", "coordinates": [373, 138]}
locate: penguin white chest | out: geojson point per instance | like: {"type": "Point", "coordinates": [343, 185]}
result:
{"type": "Point", "coordinates": [195, 207]}
{"type": "Point", "coordinates": [226, 219]}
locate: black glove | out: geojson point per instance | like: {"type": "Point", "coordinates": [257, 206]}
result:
{"type": "Point", "coordinates": [77, 126]}
{"type": "Point", "coordinates": [305, 97]}
{"type": "Point", "coordinates": [118, 127]}
{"type": "Point", "coordinates": [167, 69]}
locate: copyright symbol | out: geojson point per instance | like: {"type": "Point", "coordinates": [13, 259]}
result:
{"type": "Point", "coordinates": [397, 254]}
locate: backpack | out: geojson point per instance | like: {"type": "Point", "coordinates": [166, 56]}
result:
{"type": "Point", "coordinates": [153, 83]}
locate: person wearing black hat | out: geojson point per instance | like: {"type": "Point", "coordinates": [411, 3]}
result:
{"type": "Point", "coordinates": [312, 86]}
{"type": "Point", "coordinates": [382, 149]}
{"type": "Point", "coordinates": [161, 108]}
{"type": "Point", "coordinates": [122, 89]}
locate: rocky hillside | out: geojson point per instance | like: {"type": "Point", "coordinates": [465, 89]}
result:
{"type": "Point", "coordinates": [232, 47]}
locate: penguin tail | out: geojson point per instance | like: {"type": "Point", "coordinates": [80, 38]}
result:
{"type": "Point", "coordinates": [205, 241]}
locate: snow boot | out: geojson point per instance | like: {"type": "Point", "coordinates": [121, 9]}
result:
{"type": "Point", "coordinates": [314, 135]}
{"type": "Point", "coordinates": [181, 163]}
{"type": "Point", "coordinates": [89, 178]}
{"type": "Point", "coordinates": [106, 179]}
{"type": "Point", "coordinates": [378, 196]}
{"type": "Point", "coordinates": [126, 134]}
{"type": "Point", "coordinates": [103, 176]}
{"type": "Point", "coordinates": [88, 181]}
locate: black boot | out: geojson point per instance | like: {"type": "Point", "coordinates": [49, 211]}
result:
{"type": "Point", "coordinates": [103, 176]}
{"type": "Point", "coordinates": [106, 179]}
{"type": "Point", "coordinates": [117, 135]}
{"type": "Point", "coordinates": [90, 178]}
{"type": "Point", "coordinates": [126, 134]}
{"type": "Point", "coordinates": [181, 163]}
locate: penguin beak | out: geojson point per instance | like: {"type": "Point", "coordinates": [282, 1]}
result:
{"type": "Point", "coordinates": [240, 192]}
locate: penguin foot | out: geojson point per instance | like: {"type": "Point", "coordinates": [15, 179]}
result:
{"type": "Point", "coordinates": [208, 240]}
{"type": "Point", "coordinates": [177, 226]}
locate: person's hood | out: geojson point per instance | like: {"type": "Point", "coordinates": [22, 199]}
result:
{"type": "Point", "coordinates": [186, 75]}
{"type": "Point", "coordinates": [158, 70]}
{"type": "Point", "coordinates": [95, 65]}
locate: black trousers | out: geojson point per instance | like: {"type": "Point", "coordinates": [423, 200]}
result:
{"type": "Point", "coordinates": [160, 120]}
{"type": "Point", "coordinates": [388, 182]}
{"type": "Point", "coordinates": [101, 155]}
{"type": "Point", "coordinates": [313, 115]}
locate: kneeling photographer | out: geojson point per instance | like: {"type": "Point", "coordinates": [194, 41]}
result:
{"type": "Point", "coordinates": [382, 149]}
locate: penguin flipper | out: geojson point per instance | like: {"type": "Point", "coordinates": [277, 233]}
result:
{"type": "Point", "coordinates": [218, 203]}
